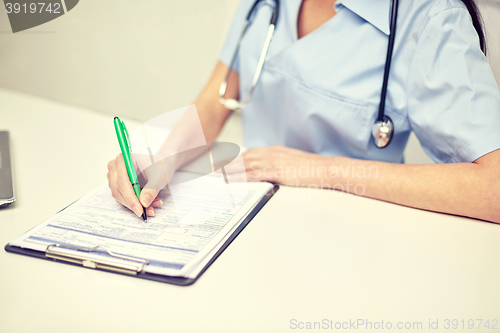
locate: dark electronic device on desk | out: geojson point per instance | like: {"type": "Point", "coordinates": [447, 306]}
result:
{"type": "Point", "coordinates": [6, 187]}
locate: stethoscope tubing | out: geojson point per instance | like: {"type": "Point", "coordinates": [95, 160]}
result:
{"type": "Point", "coordinates": [388, 59]}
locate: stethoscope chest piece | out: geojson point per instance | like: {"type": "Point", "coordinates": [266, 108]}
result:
{"type": "Point", "coordinates": [382, 132]}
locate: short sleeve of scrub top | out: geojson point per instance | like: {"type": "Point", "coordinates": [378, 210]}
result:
{"type": "Point", "coordinates": [320, 93]}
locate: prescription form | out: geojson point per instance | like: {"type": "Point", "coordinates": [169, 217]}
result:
{"type": "Point", "coordinates": [194, 221]}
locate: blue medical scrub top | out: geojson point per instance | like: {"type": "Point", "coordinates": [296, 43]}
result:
{"type": "Point", "coordinates": [320, 93]}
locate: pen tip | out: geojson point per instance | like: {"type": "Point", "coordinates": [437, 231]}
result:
{"type": "Point", "coordinates": [144, 216]}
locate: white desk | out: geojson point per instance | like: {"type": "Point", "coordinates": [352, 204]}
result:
{"type": "Point", "coordinates": [308, 255]}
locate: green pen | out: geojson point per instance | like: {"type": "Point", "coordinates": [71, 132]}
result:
{"type": "Point", "coordinates": [124, 141]}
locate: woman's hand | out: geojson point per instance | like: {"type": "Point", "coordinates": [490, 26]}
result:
{"type": "Point", "coordinates": [466, 189]}
{"type": "Point", "coordinates": [122, 190]}
{"type": "Point", "coordinates": [280, 165]}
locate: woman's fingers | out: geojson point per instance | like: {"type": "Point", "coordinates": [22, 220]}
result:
{"type": "Point", "coordinates": [147, 196]}
{"type": "Point", "coordinates": [157, 202]}
{"type": "Point", "coordinates": [123, 192]}
{"type": "Point", "coordinates": [120, 186]}
{"type": "Point", "coordinates": [150, 211]}
{"type": "Point", "coordinates": [115, 192]}
{"type": "Point", "coordinates": [125, 187]}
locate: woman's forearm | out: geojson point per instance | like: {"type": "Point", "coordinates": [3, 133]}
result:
{"type": "Point", "coordinates": [212, 113]}
{"type": "Point", "coordinates": [196, 129]}
{"type": "Point", "coordinates": [467, 189]}
{"type": "Point", "coordinates": [212, 118]}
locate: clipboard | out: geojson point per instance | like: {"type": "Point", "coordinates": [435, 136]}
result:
{"type": "Point", "coordinates": [79, 259]}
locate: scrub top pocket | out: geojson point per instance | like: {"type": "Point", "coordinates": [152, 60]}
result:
{"type": "Point", "coordinates": [298, 117]}
{"type": "Point", "coordinates": [288, 113]}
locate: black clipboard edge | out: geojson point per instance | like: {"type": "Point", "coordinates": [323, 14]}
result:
{"type": "Point", "coordinates": [178, 281]}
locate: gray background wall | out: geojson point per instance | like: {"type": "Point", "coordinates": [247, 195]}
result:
{"type": "Point", "coordinates": [140, 58]}
{"type": "Point", "coordinates": [134, 58]}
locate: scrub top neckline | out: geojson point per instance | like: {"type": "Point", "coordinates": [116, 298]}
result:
{"type": "Point", "coordinates": [295, 21]}
{"type": "Point", "coordinates": [293, 11]}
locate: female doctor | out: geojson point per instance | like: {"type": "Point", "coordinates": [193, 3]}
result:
{"type": "Point", "coordinates": [335, 100]}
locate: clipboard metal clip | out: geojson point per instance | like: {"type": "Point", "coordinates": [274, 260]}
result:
{"type": "Point", "coordinates": [105, 264]}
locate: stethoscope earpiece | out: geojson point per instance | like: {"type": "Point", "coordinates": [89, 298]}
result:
{"type": "Point", "coordinates": [382, 132]}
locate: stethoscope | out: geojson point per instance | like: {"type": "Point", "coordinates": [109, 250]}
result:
{"type": "Point", "coordinates": [382, 129]}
